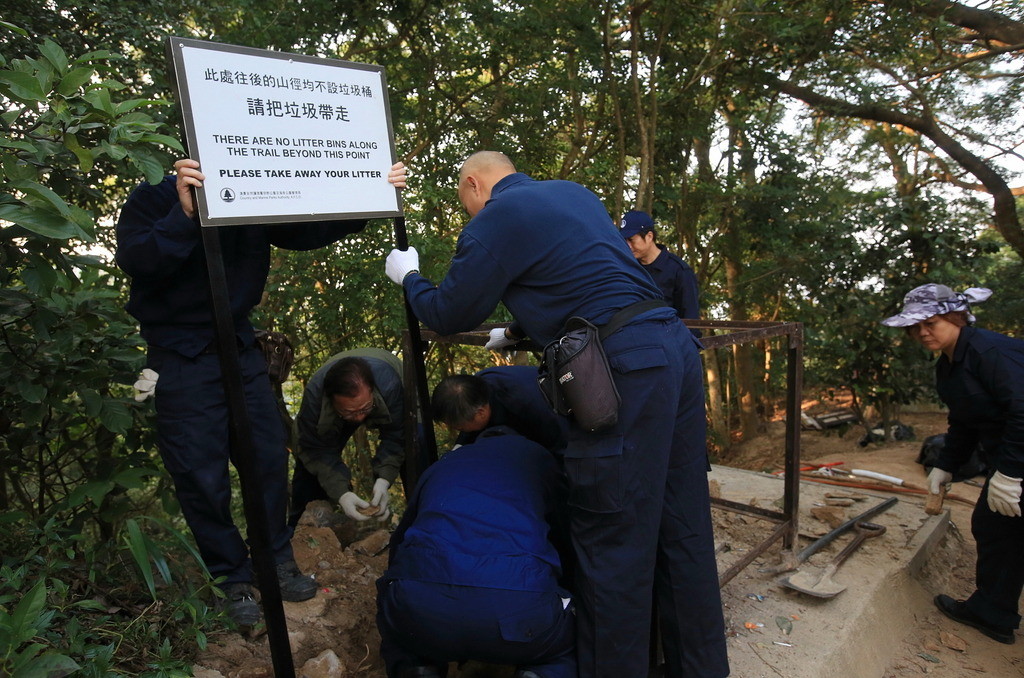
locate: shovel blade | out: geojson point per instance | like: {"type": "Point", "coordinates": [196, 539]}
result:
{"type": "Point", "coordinates": [817, 585]}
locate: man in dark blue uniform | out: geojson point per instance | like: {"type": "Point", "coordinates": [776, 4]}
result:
{"type": "Point", "coordinates": [639, 509]}
{"type": "Point", "coordinates": [498, 396]}
{"type": "Point", "coordinates": [354, 388]}
{"type": "Point", "coordinates": [472, 574]}
{"type": "Point", "coordinates": [674, 277]}
{"type": "Point", "coordinates": [159, 245]}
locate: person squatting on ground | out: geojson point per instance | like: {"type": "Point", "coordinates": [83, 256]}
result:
{"type": "Point", "coordinates": [672, 275]}
{"type": "Point", "coordinates": [638, 493]}
{"type": "Point", "coordinates": [980, 377]}
{"type": "Point", "coordinates": [360, 387]}
{"type": "Point", "coordinates": [498, 396]}
{"type": "Point", "coordinates": [159, 245]}
{"type": "Point", "coordinates": [472, 573]}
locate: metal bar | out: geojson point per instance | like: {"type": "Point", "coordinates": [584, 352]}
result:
{"type": "Point", "coordinates": [477, 337]}
{"type": "Point", "coordinates": [241, 446]}
{"type": "Point", "coordinates": [735, 324]}
{"type": "Point", "coordinates": [752, 555]}
{"type": "Point", "coordinates": [753, 511]}
{"type": "Point", "coordinates": [414, 463]}
{"type": "Point", "coordinates": [416, 354]}
{"type": "Point", "coordinates": [794, 398]}
{"type": "Point", "coordinates": [745, 335]}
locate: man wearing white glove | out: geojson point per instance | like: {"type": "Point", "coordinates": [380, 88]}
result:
{"type": "Point", "coordinates": [145, 387]}
{"type": "Point", "coordinates": [548, 251]}
{"type": "Point", "coordinates": [1004, 495]}
{"type": "Point", "coordinates": [159, 245]}
{"type": "Point", "coordinates": [498, 339]}
{"type": "Point", "coordinates": [357, 508]}
{"type": "Point", "coordinates": [401, 263]}
{"type": "Point", "coordinates": [980, 377]}
{"type": "Point", "coordinates": [360, 387]}
{"type": "Point", "coordinates": [937, 479]}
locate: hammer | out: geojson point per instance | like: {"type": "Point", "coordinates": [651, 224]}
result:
{"type": "Point", "coordinates": [933, 506]}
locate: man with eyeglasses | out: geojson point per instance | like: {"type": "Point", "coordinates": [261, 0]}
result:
{"type": "Point", "coordinates": [352, 389]}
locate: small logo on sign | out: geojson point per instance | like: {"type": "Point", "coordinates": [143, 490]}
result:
{"type": "Point", "coordinates": [227, 195]}
{"type": "Point", "coordinates": [565, 377]}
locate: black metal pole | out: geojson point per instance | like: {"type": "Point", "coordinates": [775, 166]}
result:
{"type": "Point", "coordinates": [419, 366]}
{"type": "Point", "coordinates": [794, 399]}
{"type": "Point", "coordinates": [240, 440]}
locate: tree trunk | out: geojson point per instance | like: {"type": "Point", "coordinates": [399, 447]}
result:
{"type": "Point", "coordinates": [716, 400]}
{"type": "Point", "coordinates": [732, 255]}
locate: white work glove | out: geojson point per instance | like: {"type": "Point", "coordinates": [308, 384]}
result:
{"type": "Point", "coordinates": [350, 503]}
{"type": "Point", "coordinates": [497, 340]}
{"type": "Point", "coordinates": [401, 263]}
{"type": "Point", "coordinates": [146, 385]}
{"type": "Point", "coordinates": [1004, 495]}
{"type": "Point", "coordinates": [937, 478]}
{"type": "Point", "coordinates": [381, 498]}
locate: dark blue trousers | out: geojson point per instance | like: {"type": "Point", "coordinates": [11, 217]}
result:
{"type": "Point", "coordinates": [192, 434]}
{"type": "Point", "coordinates": [424, 623]}
{"type": "Point", "coordinates": [999, 573]}
{"type": "Point", "coordinates": [305, 488]}
{"type": "Point", "coordinates": [640, 515]}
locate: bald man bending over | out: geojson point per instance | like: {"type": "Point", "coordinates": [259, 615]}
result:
{"type": "Point", "coordinates": [640, 516]}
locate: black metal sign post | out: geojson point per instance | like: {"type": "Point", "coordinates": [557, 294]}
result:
{"type": "Point", "coordinates": [282, 139]}
{"type": "Point", "coordinates": [240, 439]}
{"type": "Point", "coordinates": [429, 443]}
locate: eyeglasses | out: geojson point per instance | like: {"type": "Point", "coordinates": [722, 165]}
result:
{"type": "Point", "coordinates": [362, 411]}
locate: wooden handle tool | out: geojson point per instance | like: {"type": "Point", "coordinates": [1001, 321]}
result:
{"type": "Point", "coordinates": [933, 506]}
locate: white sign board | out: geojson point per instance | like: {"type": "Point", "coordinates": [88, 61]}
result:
{"type": "Point", "coordinates": [284, 137]}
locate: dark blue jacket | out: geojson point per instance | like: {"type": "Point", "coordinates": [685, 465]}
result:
{"type": "Point", "coordinates": [162, 250]}
{"type": "Point", "coordinates": [478, 518]}
{"type": "Point", "coordinates": [677, 281]}
{"type": "Point", "coordinates": [983, 387]}
{"type": "Point", "coordinates": [516, 402]}
{"type": "Point", "coordinates": [547, 249]}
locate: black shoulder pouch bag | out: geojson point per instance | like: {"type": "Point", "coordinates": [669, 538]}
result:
{"type": "Point", "coordinates": [576, 379]}
{"type": "Point", "coordinates": [575, 376]}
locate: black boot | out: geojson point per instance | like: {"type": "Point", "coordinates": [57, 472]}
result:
{"type": "Point", "coordinates": [240, 604]}
{"type": "Point", "coordinates": [295, 586]}
{"type": "Point", "coordinates": [957, 611]}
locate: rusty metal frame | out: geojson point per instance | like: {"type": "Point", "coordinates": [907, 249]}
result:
{"type": "Point", "coordinates": [735, 332]}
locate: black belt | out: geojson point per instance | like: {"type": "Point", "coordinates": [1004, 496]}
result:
{"type": "Point", "coordinates": [624, 315]}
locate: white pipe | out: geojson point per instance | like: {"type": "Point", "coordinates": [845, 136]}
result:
{"type": "Point", "coordinates": [878, 476]}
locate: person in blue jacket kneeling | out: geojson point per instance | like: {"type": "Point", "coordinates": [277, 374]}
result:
{"type": "Point", "coordinates": [473, 574]}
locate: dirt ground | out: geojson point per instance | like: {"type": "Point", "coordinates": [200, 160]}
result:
{"type": "Point", "coordinates": [936, 646]}
{"type": "Point", "coordinates": [334, 635]}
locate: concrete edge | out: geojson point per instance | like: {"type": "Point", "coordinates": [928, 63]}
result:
{"type": "Point", "coordinates": [926, 540]}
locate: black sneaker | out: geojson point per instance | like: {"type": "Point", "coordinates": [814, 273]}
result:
{"type": "Point", "coordinates": [240, 604]}
{"type": "Point", "coordinates": [957, 611]}
{"type": "Point", "coordinates": [295, 586]}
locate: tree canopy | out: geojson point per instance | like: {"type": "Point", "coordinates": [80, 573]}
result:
{"type": "Point", "coordinates": [811, 159]}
